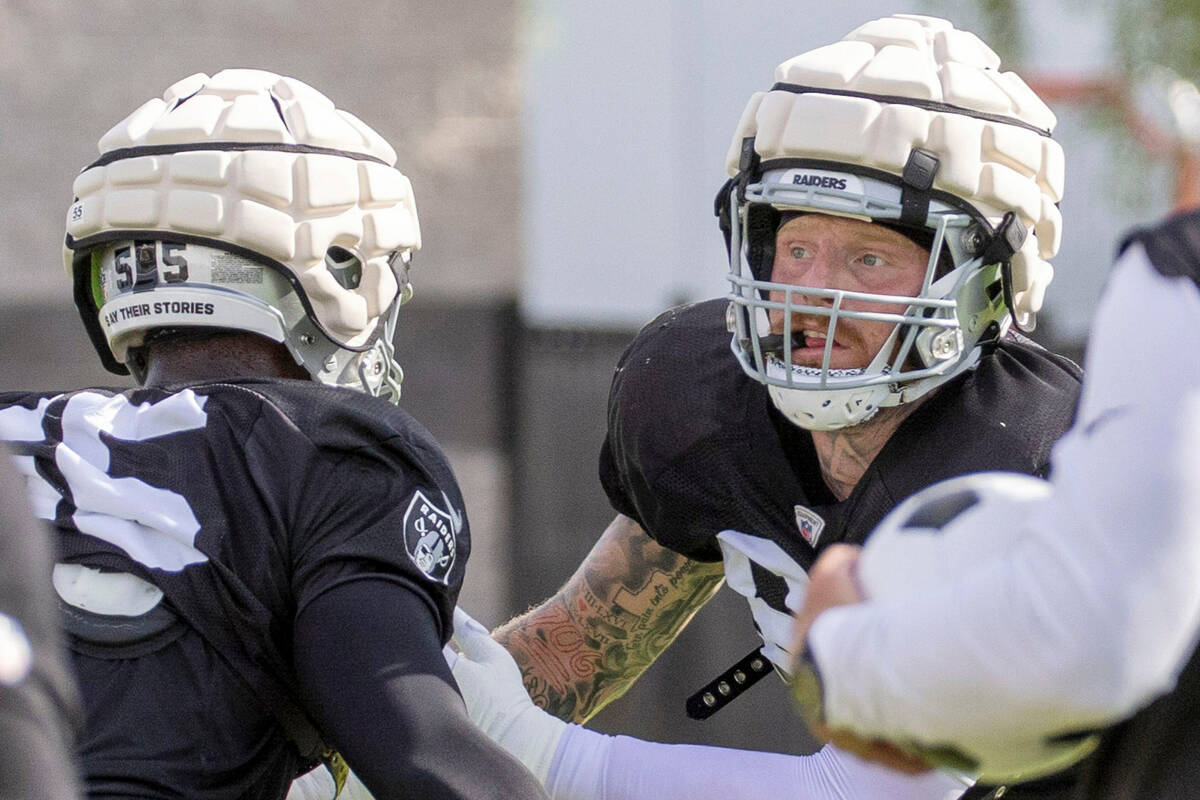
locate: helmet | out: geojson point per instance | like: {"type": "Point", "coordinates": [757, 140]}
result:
{"type": "Point", "coordinates": [933, 539]}
{"type": "Point", "coordinates": [906, 122]}
{"type": "Point", "coordinates": [246, 201]}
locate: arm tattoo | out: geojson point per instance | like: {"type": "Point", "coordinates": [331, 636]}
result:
{"type": "Point", "coordinates": [586, 645]}
{"type": "Point", "coordinates": [845, 464]}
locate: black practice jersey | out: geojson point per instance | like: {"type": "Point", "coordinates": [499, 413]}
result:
{"type": "Point", "coordinates": [243, 502]}
{"type": "Point", "coordinates": [697, 454]}
{"type": "Point", "coordinates": [1153, 755]}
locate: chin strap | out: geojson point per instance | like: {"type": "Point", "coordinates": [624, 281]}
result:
{"type": "Point", "coordinates": [1010, 235]}
{"type": "Point", "coordinates": [389, 375]}
{"type": "Point", "coordinates": [728, 686]}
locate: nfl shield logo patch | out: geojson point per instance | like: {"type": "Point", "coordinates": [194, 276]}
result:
{"type": "Point", "coordinates": [810, 525]}
{"type": "Point", "coordinates": [429, 537]}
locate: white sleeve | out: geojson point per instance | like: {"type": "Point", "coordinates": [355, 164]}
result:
{"type": "Point", "coordinates": [593, 766]}
{"type": "Point", "coordinates": [1095, 608]}
{"type": "Point", "coordinates": [317, 784]}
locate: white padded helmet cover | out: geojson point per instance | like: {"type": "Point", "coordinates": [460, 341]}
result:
{"type": "Point", "coordinates": [267, 164]}
{"type": "Point", "coordinates": [1004, 161]}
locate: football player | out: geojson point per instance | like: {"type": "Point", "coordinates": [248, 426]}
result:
{"type": "Point", "coordinates": [39, 706]}
{"type": "Point", "coordinates": [889, 217]}
{"type": "Point", "coordinates": [1092, 613]}
{"type": "Point", "coordinates": [259, 552]}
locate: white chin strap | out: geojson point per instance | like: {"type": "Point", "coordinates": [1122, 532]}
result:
{"type": "Point", "coordinates": [828, 409]}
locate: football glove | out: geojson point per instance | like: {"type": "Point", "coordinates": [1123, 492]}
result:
{"type": "Point", "coordinates": [496, 699]}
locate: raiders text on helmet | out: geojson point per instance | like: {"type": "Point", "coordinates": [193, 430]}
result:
{"type": "Point", "coordinates": [246, 201]}
{"type": "Point", "coordinates": [909, 122]}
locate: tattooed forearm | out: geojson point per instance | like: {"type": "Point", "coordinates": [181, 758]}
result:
{"type": "Point", "coordinates": [586, 645]}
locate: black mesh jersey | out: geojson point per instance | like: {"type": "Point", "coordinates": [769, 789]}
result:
{"type": "Point", "coordinates": [697, 454]}
{"type": "Point", "coordinates": [1153, 755]}
{"type": "Point", "coordinates": [1173, 245]}
{"type": "Point", "coordinates": [243, 501]}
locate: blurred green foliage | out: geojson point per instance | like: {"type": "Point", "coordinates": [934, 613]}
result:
{"type": "Point", "coordinates": [1144, 37]}
{"type": "Point", "coordinates": [1004, 32]}
{"type": "Point", "coordinates": [1165, 32]}
{"type": "Point", "coordinates": [1141, 32]}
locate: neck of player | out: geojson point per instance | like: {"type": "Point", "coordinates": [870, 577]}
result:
{"type": "Point", "coordinates": [220, 357]}
{"type": "Point", "coordinates": [845, 454]}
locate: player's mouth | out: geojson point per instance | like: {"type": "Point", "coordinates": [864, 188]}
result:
{"type": "Point", "coordinates": [808, 346]}
{"type": "Point", "coordinates": [814, 340]}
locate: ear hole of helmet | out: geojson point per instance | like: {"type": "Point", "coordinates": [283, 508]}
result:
{"type": "Point", "coordinates": [345, 267]}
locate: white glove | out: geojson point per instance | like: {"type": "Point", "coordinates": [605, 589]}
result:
{"type": "Point", "coordinates": [494, 691]}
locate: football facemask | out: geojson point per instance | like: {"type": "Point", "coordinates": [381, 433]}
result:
{"type": "Point", "coordinates": [933, 334]}
{"type": "Point", "coordinates": [905, 121]}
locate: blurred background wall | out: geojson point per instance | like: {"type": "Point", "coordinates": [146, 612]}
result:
{"type": "Point", "coordinates": [564, 155]}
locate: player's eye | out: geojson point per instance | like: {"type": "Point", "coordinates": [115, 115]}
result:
{"type": "Point", "coordinates": [872, 260]}
{"type": "Point", "coordinates": [798, 252]}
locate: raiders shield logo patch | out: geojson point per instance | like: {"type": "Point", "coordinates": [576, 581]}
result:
{"type": "Point", "coordinates": [429, 536]}
{"type": "Point", "coordinates": [810, 524]}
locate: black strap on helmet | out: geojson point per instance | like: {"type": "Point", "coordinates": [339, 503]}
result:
{"type": "Point", "coordinates": [748, 170]}
{"type": "Point", "coordinates": [748, 161]}
{"type": "Point", "coordinates": [761, 222]}
{"type": "Point", "coordinates": [1009, 236]}
{"type": "Point", "coordinates": [721, 209]}
{"type": "Point", "coordinates": [915, 184]}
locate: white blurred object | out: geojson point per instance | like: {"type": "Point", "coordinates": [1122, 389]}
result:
{"type": "Point", "coordinates": [945, 530]}
{"type": "Point", "coordinates": [1184, 100]}
{"type": "Point", "coordinates": [317, 784]}
{"type": "Point", "coordinates": [934, 539]}
{"type": "Point", "coordinates": [16, 655]}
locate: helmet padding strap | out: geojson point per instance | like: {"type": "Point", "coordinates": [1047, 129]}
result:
{"type": "Point", "coordinates": [915, 183]}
